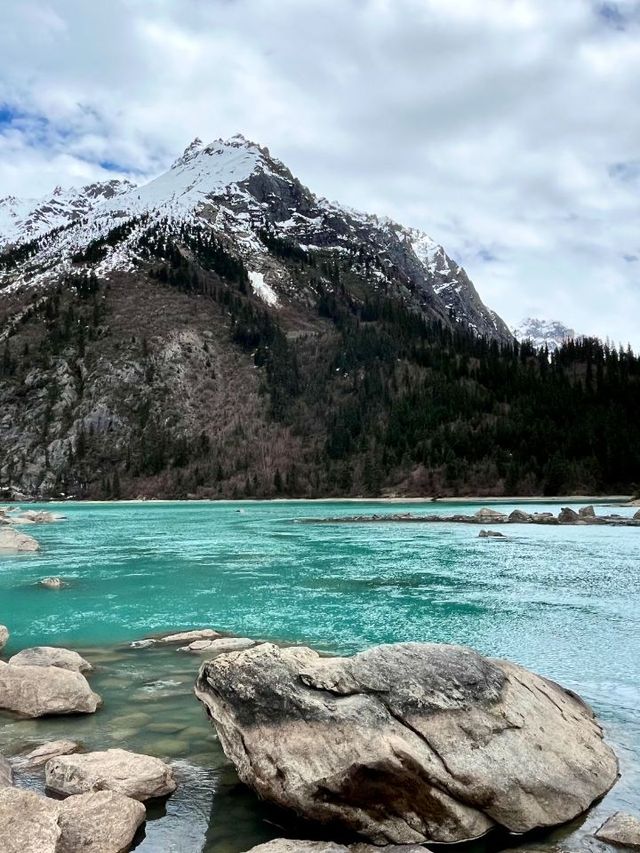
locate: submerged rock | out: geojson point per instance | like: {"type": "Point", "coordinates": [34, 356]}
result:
{"type": "Point", "coordinates": [51, 656]}
{"type": "Point", "coordinates": [190, 636]}
{"type": "Point", "coordinates": [15, 542]}
{"type": "Point", "coordinates": [36, 691]}
{"type": "Point", "coordinates": [41, 754]}
{"type": "Point", "coordinates": [28, 822]}
{"type": "Point", "coordinates": [491, 534]}
{"type": "Point", "coordinates": [4, 636]}
{"type": "Point", "coordinates": [6, 773]}
{"type": "Point", "coordinates": [99, 822]}
{"type": "Point", "coordinates": [407, 743]}
{"type": "Point", "coordinates": [288, 845]}
{"type": "Point", "coordinates": [52, 583]}
{"type": "Point", "coordinates": [218, 647]}
{"type": "Point", "coordinates": [621, 829]}
{"type": "Point", "coordinates": [141, 777]}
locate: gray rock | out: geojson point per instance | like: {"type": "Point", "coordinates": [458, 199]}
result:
{"type": "Point", "coordinates": [218, 647]}
{"type": "Point", "coordinates": [491, 534]}
{"type": "Point", "coordinates": [519, 517]}
{"type": "Point", "coordinates": [141, 777]}
{"type": "Point", "coordinates": [12, 541]}
{"type": "Point", "coordinates": [587, 512]}
{"type": "Point", "coordinates": [568, 516]}
{"type": "Point", "coordinates": [489, 516]}
{"type": "Point", "coordinates": [4, 636]}
{"type": "Point", "coordinates": [6, 773]}
{"type": "Point", "coordinates": [100, 822]}
{"type": "Point", "coordinates": [190, 636]}
{"type": "Point", "coordinates": [621, 829]}
{"type": "Point", "coordinates": [52, 583]}
{"type": "Point", "coordinates": [37, 691]}
{"type": "Point", "coordinates": [637, 515]}
{"type": "Point", "coordinates": [41, 754]}
{"type": "Point", "coordinates": [408, 743]}
{"type": "Point", "coordinates": [51, 656]}
{"type": "Point", "coordinates": [28, 822]}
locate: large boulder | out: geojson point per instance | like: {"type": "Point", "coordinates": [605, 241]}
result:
{"type": "Point", "coordinates": [14, 542]}
{"type": "Point", "coordinates": [637, 515]}
{"type": "Point", "coordinates": [621, 829]}
{"type": "Point", "coordinates": [41, 754]}
{"type": "Point", "coordinates": [519, 517]}
{"type": "Point", "coordinates": [28, 822]}
{"type": "Point", "coordinates": [37, 691]}
{"type": "Point", "coordinates": [141, 777]}
{"type": "Point", "coordinates": [100, 822]}
{"type": "Point", "coordinates": [4, 636]}
{"type": "Point", "coordinates": [587, 512]}
{"type": "Point", "coordinates": [407, 743]}
{"type": "Point", "coordinates": [6, 773]}
{"type": "Point", "coordinates": [51, 656]}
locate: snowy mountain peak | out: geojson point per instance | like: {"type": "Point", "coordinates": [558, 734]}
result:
{"type": "Point", "coordinates": [541, 333]}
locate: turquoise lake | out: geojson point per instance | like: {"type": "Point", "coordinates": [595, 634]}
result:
{"type": "Point", "coordinates": [564, 601]}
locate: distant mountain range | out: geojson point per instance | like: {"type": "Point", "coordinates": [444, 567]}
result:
{"type": "Point", "coordinates": [544, 333]}
{"type": "Point", "coordinates": [221, 331]}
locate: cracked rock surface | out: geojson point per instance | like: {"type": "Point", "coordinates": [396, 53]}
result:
{"type": "Point", "coordinates": [407, 743]}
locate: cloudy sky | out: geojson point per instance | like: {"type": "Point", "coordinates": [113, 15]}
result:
{"type": "Point", "coordinates": [509, 130]}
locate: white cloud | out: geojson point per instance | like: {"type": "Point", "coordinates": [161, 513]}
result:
{"type": "Point", "coordinates": [507, 129]}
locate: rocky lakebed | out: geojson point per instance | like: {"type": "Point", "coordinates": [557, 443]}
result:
{"type": "Point", "coordinates": [397, 747]}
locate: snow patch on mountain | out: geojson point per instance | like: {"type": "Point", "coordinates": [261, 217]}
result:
{"type": "Point", "coordinates": [263, 290]}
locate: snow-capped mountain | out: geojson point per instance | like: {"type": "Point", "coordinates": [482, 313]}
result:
{"type": "Point", "coordinates": [250, 203]}
{"type": "Point", "coordinates": [541, 333]}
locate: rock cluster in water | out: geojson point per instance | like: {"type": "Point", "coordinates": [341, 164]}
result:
{"type": "Point", "coordinates": [584, 516]}
{"type": "Point", "coordinates": [408, 743]}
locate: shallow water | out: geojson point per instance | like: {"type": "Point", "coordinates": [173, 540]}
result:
{"type": "Point", "coordinates": [564, 601]}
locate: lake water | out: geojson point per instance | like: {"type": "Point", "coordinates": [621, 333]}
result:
{"type": "Point", "coordinates": [564, 601]}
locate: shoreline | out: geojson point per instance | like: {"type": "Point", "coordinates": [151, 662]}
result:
{"type": "Point", "coordinates": [536, 499]}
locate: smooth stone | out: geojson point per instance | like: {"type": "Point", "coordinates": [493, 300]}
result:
{"type": "Point", "coordinates": [28, 822]}
{"type": "Point", "coordinates": [51, 656]}
{"type": "Point", "coordinates": [99, 822]}
{"type": "Point", "coordinates": [138, 719]}
{"type": "Point", "coordinates": [621, 829]}
{"type": "Point", "coordinates": [519, 517]}
{"type": "Point", "coordinates": [41, 754]}
{"type": "Point", "coordinates": [13, 541]}
{"type": "Point", "coordinates": [52, 583]}
{"type": "Point", "coordinates": [4, 636]}
{"type": "Point", "coordinates": [190, 636]}
{"type": "Point", "coordinates": [36, 691]}
{"type": "Point", "coordinates": [6, 773]}
{"type": "Point", "coordinates": [169, 747]}
{"type": "Point", "coordinates": [407, 743]}
{"type": "Point", "coordinates": [142, 777]}
{"type": "Point", "coordinates": [123, 735]}
{"type": "Point", "coordinates": [218, 647]}
{"type": "Point", "coordinates": [165, 728]}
